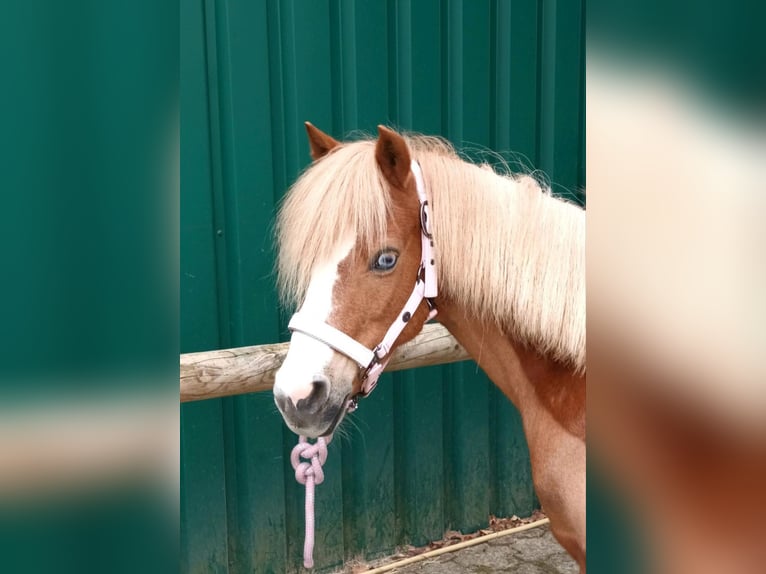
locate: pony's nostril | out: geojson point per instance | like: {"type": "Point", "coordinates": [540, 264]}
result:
{"type": "Point", "coordinates": [282, 400]}
{"type": "Point", "coordinates": [320, 391]}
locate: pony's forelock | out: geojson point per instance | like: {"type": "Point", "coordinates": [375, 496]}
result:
{"type": "Point", "coordinates": [342, 195]}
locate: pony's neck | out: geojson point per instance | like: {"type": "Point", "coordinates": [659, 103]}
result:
{"type": "Point", "coordinates": [510, 254]}
{"type": "Point", "coordinates": [531, 382]}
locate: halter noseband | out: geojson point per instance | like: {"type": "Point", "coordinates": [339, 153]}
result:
{"type": "Point", "coordinates": [374, 361]}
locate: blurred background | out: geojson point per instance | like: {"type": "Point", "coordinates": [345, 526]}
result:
{"type": "Point", "coordinates": [89, 142]}
{"type": "Point", "coordinates": [676, 95]}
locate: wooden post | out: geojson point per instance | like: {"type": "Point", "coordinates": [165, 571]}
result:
{"type": "Point", "coordinates": [227, 372]}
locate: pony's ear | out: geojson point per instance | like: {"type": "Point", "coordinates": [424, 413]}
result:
{"type": "Point", "coordinates": [393, 157]}
{"type": "Point", "coordinates": [319, 142]}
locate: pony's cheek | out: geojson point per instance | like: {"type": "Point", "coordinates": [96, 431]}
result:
{"type": "Point", "coordinates": [343, 374]}
{"type": "Point", "coordinates": [415, 324]}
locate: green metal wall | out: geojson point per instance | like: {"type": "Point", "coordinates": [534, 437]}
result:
{"type": "Point", "coordinates": [431, 449]}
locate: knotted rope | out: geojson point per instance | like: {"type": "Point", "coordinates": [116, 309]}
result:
{"type": "Point", "coordinates": [310, 474]}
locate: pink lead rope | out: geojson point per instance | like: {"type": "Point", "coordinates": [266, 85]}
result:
{"type": "Point", "coordinates": [373, 361]}
{"type": "Point", "coordinates": [309, 473]}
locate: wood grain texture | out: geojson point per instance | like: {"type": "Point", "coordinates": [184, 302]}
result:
{"type": "Point", "coordinates": [227, 372]}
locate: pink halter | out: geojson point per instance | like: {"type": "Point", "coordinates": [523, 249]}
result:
{"type": "Point", "coordinates": [374, 361]}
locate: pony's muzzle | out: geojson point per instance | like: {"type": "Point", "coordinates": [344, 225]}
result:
{"type": "Point", "coordinates": [309, 412]}
{"type": "Point", "coordinates": [305, 402]}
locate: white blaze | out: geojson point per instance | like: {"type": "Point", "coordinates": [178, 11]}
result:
{"type": "Point", "coordinates": [307, 356]}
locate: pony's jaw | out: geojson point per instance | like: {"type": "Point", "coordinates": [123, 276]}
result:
{"type": "Point", "coordinates": [313, 385]}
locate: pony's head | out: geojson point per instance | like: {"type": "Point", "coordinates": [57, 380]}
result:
{"type": "Point", "coordinates": [350, 253]}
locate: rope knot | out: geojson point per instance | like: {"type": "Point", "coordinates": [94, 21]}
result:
{"type": "Point", "coordinates": [315, 454]}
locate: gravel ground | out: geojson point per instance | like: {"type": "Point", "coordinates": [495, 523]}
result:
{"type": "Point", "coordinates": [533, 551]}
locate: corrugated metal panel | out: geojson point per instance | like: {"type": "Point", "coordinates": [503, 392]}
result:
{"type": "Point", "coordinates": [433, 449]}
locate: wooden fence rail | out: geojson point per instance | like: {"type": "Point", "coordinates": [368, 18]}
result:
{"type": "Point", "coordinates": [227, 372]}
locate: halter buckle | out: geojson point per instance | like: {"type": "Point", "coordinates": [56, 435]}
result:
{"type": "Point", "coordinates": [425, 222]}
{"type": "Point", "coordinates": [366, 370]}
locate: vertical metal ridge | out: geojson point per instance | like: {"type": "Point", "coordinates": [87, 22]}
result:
{"type": "Point", "coordinates": [338, 126]}
{"type": "Point", "coordinates": [218, 198]}
{"type": "Point", "coordinates": [538, 85]}
{"type": "Point", "coordinates": [501, 92]}
{"type": "Point", "coordinates": [229, 173]}
{"type": "Point", "coordinates": [404, 55]}
{"type": "Point", "coordinates": [444, 64]}
{"type": "Point", "coordinates": [289, 86]}
{"type": "Point", "coordinates": [548, 89]}
{"type": "Point", "coordinates": [493, 74]}
{"type": "Point", "coordinates": [348, 503]}
{"type": "Point", "coordinates": [348, 86]}
{"type": "Point", "coordinates": [236, 553]}
{"type": "Point", "coordinates": [392, 38]}
{"type": "Point", "coordinates": [276, 87]}
{"type": "Point", "coordinates": [400, 460]}
{"type": "Point", "coordinates": [454, 69]}
{"type": "Point", "coordinates": [451, 379]}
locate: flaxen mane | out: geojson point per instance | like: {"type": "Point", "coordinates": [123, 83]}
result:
{"type": "Point", "coordinates": [506, 249]}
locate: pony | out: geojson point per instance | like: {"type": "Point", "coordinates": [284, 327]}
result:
{"type": "Point", "coordinates": [370, 219]}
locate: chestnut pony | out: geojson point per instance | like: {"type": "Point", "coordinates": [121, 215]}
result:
{"type": "Point", "coordinates": [510, 264]}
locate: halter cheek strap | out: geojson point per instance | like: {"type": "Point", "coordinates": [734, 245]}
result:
{"type": "Point", "coordinates": [374, 361]}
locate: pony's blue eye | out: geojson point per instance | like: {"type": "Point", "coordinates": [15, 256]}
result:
{"type": "Point", "coordinates": [385, 261]}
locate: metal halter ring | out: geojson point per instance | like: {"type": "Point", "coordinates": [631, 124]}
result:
{"type": "Point", "coordinates": [424, 220]}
